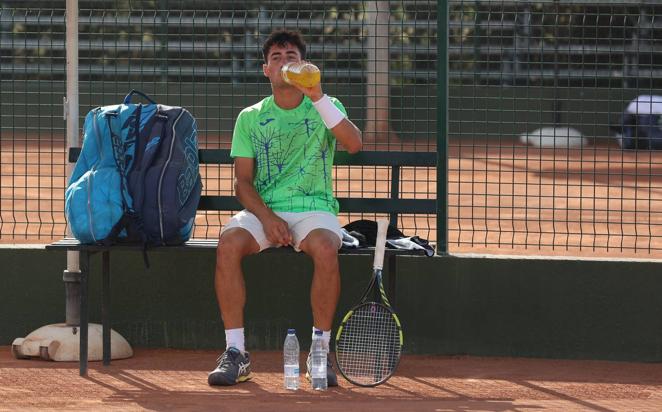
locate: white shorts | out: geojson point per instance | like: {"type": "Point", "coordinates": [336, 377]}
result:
{"type": "Point", "coordinates": [300, 224]}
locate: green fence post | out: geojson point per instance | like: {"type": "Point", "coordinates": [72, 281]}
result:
{"type": "Point", "coordinates": [442, 127]}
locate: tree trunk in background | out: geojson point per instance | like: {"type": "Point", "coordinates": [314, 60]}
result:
{"type": "Point", "coordinates": [377, 125]}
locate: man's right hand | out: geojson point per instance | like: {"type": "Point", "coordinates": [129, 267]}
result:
{"type": "Point", "coordinates": [277, 230]}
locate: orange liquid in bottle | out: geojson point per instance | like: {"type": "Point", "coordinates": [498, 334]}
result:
{"type": "Point", "coordinates": [302, 74]}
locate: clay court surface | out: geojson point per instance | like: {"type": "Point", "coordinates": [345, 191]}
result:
{"type": "Point", "coordinates": [164, 379]}
{"type": "Point", "coordinates": [504, 197]}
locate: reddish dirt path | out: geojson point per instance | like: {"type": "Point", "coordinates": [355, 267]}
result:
{"type": "Point", "coordinates": [164, 379]}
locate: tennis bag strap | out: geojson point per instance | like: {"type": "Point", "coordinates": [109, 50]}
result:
{"type": "Point", "coordinates": [147, 126]}
{"type": "Point", "coordinates": [131, 222]}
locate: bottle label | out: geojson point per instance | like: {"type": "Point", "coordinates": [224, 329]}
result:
{"type": "Point", "coordinates": [292, 370]}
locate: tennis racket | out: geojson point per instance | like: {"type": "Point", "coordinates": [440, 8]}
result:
{"type": "Point", "coordinates": [369, 339]}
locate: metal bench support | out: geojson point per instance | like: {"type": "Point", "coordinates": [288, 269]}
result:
{"type": "Point", "coordinates": [105, 307]}
{"type": "Point", "coordinates": [84, 315]}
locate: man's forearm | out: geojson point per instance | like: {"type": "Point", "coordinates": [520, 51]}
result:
{"type": "Point", "coordinates": [349, 135]}
{"type": "Point", "coordinates": [251, 200]}
{"type": "Point", "coordinates": [342, 128]}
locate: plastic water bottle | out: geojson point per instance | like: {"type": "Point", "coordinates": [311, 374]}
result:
{"type": "Point", "coordinates": [302, 73]}
{"type": "Point", "coordinates": [291, 360]}
{"type": "Point", "coordinates": [318, 361]}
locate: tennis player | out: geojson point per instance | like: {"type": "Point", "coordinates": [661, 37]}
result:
{"type": "Point", "coordinates": [283, 149]}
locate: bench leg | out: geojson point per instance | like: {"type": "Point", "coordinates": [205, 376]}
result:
{"type": "Point", "coordinates": [391, 279]}
{"type": "Point", "coordinates": [105, 307]}
{"type": "Point", "coordinates": [84, 273]}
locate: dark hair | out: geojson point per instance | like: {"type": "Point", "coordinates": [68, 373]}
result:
{"type": "Point", "coordinates": [281, 38]}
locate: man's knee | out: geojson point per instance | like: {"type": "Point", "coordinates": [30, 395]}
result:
{"type": "Point", "coordinates": [322, 245]}
{"type": "Point", "coordinates": [236, 243]}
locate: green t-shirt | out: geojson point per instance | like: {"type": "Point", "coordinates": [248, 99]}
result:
{"type": "Point", "coordinates": [293, 153]}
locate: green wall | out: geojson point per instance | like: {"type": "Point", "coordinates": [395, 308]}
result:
{"type": "Point", "coordinates": [31, 290]}
{"type": "Point", "coordinates": [538, 307]}
{"type": "Point", "coordinates": [491, 306]}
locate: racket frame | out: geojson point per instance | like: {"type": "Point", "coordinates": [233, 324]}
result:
{"type": "Point", "coordinates": [376, 286]}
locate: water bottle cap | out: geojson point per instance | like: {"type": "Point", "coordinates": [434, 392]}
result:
{"type": "Point", "coordinates": [291, 331]}
{"type": "Point", "coordinates": [318, 333]}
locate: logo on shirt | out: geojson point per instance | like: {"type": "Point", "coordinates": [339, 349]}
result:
{"type": "Point", "coordinates": [267, 121]}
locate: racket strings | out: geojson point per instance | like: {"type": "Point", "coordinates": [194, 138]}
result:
{"type": "Point", "coordinates": [368, 348]}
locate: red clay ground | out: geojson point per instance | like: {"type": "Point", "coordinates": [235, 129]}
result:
{"type": "Point", "coordinates": [504, 197]}
{"type": "Point", "coordinates": [159, 379]}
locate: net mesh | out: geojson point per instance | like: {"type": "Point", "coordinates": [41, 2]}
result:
{"type": "Point", "coordinates": [368, 348]}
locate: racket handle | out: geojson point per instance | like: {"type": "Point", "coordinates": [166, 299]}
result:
{"type": "Point", "coordinates": [380, 244]}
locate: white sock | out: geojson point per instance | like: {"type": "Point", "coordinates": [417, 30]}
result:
{"type": "Point", "coordinates": [326, 337]}
{"type": "Point", "coordinates": [235, 338]}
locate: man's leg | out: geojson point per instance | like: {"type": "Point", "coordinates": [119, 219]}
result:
{"type": "Point", "coordinates": [234, 365]}
{"type": "Point", "coordinates": [322, 246]}
{"type": "Point", "coordinates": [233, 246]}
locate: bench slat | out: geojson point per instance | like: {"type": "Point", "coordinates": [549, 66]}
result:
{"type": "Point", "coordinates": [375, 158]}
{"type": "Point", "coordinates": [219, 203]}
{"type": "Point", "coordinates": [398, 206]}
{"type": "Point", "coordinates": [382, 158]}
{"type": "Point", "coordinates": [215, 156]}
{"type": "Point", "coordinates": [347, 205]}
{"type": "Point", "coordinates": [73, 244]}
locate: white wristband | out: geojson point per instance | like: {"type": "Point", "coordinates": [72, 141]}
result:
{"type": "Point", "coordinates": [328, 111]}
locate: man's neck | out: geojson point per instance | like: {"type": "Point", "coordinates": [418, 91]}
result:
{"type": "Point", "coordinates": [287, 98]}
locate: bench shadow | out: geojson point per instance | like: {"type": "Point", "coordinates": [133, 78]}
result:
{"type": "Point", "coordinates": [132, 389]}
{"type": "Point", "coordinates": [176, 379]}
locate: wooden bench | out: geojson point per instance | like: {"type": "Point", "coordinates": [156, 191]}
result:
{"type": "Point", "coordinates": [393, 206]}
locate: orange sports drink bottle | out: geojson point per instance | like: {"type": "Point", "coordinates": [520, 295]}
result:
{"type": "Point", "coordinates": [301, 73]}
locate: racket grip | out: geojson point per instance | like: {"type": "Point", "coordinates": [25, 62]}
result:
{"type": "Point", "coordinates": [380, 244]}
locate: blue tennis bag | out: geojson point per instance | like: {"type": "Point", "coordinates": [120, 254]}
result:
{"type": "Point", "coordinates": [137, 177]}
